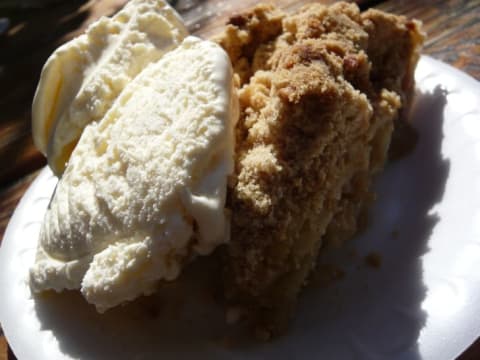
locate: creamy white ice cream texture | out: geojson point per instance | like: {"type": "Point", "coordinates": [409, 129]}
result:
{"type": "Point", "coordinates": [82, 78]}
{"type": "Point", "coordinates": [144, 191]}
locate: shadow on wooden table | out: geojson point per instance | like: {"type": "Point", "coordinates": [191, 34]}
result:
{"type": "Point", "coordinates": [369, 314]}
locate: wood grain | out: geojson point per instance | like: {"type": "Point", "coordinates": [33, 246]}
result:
{"type": "Point", "coordinates": [10, 196]}
{"type": "Point", "coordinates": [453, 28]}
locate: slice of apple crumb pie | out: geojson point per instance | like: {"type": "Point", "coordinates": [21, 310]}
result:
{"type": "Point", "coordinates": [320, 91]}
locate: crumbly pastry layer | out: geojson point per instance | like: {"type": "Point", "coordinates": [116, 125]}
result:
{"type": "Point", "coordinates": [320, 91]}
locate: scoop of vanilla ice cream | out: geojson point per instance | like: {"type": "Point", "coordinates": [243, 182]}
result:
{"type": "Point", "coordinates": [144, 190]}
{"type": "Point", "coordinates": [82, 78]}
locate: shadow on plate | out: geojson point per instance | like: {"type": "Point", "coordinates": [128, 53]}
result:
{"type": "Point", "coordinates": [369, 314]}
{"type": "Point", "coordinates": [377, 313]}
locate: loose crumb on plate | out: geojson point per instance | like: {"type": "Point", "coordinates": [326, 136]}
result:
{"type": "Point", "coordinates": [373, 260]}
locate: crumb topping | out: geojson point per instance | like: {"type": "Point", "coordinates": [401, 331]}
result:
{"type": "Point", "coordinates": [320, 90]}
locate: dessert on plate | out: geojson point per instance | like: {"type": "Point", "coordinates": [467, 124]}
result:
{"type": "Point", "coordinates": [156, 170]}
{"type": "Point", "coordinates": [144, 189]}
{"type": "Point", "coordinates": [320, 91]}
{"type": "Point", "coordinates": [82, 78]}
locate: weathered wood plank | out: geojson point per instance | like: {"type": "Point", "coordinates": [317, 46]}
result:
{"type": "Point", "coordinates": [452, 26]}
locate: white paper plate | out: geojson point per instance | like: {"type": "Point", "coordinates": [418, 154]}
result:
{"type": "Point", "coordinates": [423, 303]}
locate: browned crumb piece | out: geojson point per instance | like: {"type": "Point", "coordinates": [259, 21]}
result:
{"type": "Point", "coordinates": [320, 90]}
{"type": "Point", "coordinates": [248, 32]}
{"type": "Point", "coordinates": [373, 260]}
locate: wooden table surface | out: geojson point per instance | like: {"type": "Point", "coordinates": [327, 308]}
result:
{"type": "Point", "coordinates": [32, 32]}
